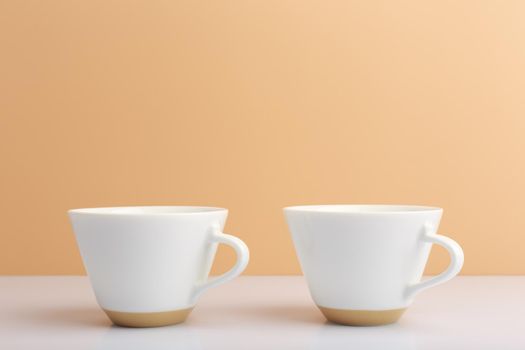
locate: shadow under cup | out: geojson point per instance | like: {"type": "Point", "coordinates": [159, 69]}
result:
{"type": "Point", "coordinates": [149, 265]}
{"type": "Point", "coordinates": [364, 263]}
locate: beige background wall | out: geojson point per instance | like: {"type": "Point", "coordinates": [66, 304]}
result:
{"type": "Point", "coordinates": [255, 105]}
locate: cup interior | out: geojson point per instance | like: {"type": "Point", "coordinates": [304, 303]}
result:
{"type": "Point", "coordinates": [147, 210]}
{"type": "Point", "coordinates": [362, 208]}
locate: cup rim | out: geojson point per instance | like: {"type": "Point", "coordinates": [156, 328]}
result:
{"type": "Point", "coordinates": [144, 210]}
{"type": "Point", "coordinates": [362, 208]}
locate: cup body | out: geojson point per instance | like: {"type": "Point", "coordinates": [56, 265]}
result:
{"type": "Point", "coordinates": [145, 262]}
{"type": "Point", "coordinates": [360, 259]}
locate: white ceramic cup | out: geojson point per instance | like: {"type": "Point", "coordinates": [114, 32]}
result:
{"type": "Point", "coordinates": [363, 263]}
{"type": "Point", "coordinates": [148, 265]}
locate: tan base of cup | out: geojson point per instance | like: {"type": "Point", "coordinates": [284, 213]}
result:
{"type": "Point", "coordinates": [147, 319]}
{"type": "Point", "coordinates": [362, 317]}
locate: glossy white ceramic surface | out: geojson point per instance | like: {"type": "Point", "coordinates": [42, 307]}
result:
{"type": "Point", "coordinates": [152, 259]}
{"type": "Point", "coordinates": [368, 257]}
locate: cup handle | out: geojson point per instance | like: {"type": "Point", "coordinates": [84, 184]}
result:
{"type": "Point", "coordinates": [243, 256]}
{"type": "Point", "coordinates": [456, 261]}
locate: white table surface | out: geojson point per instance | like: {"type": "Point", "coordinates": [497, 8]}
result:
{"type": "Point", "coordinates": [264, 313]}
